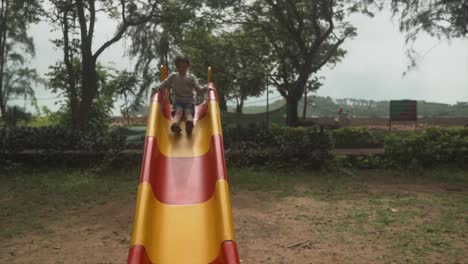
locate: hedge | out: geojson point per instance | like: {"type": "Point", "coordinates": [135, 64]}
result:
{"type": "Point", "coordinates": [59, 139]}
{"type": "Point", "coordinates": [278, 146]}
{"type": "Point", "coordinates": [427, 148]}
{"type": "Point", "coordinates": [309, 147]}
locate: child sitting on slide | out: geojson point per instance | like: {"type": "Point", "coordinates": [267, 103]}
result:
{"type": "Point", "coordinates": [183, 85]}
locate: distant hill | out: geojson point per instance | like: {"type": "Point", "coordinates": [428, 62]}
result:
{"type": "Point", "coordinates": [327, 106]}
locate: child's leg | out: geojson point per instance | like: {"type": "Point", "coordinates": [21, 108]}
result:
{"type": "Point", "coordinates": [178, 115]}
{"type": "Point", "coordinates": [179, 110]}
{"type": "Point", "coordinates": [189, 109]}
{"type": "Point", "coordinates": [188, 116]}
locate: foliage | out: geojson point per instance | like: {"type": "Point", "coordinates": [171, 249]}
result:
{"type": "Point", "coordinates": [428, 148]}
{"type": "Point", "coordinates": [19, 82]}
{"type": "Point", "coordinates": [238, 59]}
{"type": "Point", "coordinates": [16, 47]}
{"type": "Point", "coordinates": [111, 85]}
{"type": "Point", "coordinates": [80, 17]}
{"type": "Point", "coordinates": [358, 138]}
{"type": "Point", "coordinates": [125, 85]}
{"type": "Point", "coordinates": [304, 37]}
{"type": "Point", "coordinates": [160, 39]}
{"type": "Point", "coordinates": [440, 18]}
{"type": "Point", "coordinates": [444, 19]}
{"type": "Point", "coordinates": [14, 115]}
{"type": "Point", "coordinates": [58, 140]}
{"type": "Point", "coordinates": [46, 117]}
{"type": "Point", "coordinates": [278, 147]}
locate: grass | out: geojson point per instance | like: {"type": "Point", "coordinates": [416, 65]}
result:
{"type": "Point", "coordinates": [406, 217]}
{"type": "Point", "coordinates": [27, 195]}
{"type": "Point", "coordinates": [415, 218]}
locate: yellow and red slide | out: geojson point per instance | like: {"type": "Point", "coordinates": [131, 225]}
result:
{"type": "Point", "coordinates": [183, 212]}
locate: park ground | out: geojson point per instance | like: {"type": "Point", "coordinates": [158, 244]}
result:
{"type": "Point", "coordinates": [338, 216]}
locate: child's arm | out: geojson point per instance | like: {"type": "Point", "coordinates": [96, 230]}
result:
{"type": "Point", "coordinates": [166, 84]}
{"type": "Point", "coordinates": [196, 85]}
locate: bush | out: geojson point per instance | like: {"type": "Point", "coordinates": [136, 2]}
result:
{"type": "Point", "coordinates": [358, 138]}
{"type": "Point", "coordinates": [278, 146]}
{"type": "Point", "coordinates": [59, 139]}
{"type": "Point", "coordinates": [428, 148]}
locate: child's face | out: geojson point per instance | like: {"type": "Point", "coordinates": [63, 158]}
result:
{"type": "Point", "coordinates": [182, 67]}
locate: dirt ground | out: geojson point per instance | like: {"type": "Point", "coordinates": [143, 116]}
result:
{"type": "Point", "coordinates": [360, 227]}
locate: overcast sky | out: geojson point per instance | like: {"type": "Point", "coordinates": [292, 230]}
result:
{"type": "Point", "coordinates": [376, 59]}
{"type": "Point", "coordinates": [372, 69]}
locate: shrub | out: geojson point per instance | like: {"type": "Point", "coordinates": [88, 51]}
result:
{"type": "Point", "coordinates": [428, 148]}
{"type": "Point", "coordinates": [358, 138]}
{"type": "Point", "coordinates": [59, 139]}
{"type": "Point", "coordinates": [278, 146]}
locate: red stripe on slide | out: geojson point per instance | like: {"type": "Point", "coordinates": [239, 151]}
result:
{"type": "Point", "coordinates": [137, 255]}
{"type": "Point", "coordinates": [179, 181]}
{"type": "Point", "coordinates": [228, 254]}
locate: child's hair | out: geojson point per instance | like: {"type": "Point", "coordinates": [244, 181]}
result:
{"type": "Point", "coordinates": [182, 58]}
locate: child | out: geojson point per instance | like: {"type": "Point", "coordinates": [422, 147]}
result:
{"type": "Point", "coordinates": [183, 85]}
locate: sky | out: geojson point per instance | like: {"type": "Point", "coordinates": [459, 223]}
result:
{"type": "Point", "coordinates": [372, 69]}
{"type": "Point", "coordinates": [374, 66]}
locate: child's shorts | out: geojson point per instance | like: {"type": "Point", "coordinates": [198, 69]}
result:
{"type": "Point", "coordinates": [184, 106]}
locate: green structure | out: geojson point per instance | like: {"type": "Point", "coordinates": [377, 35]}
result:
{"type": "Point", "coordinates": [403, 110]}
{"type": "Point", "coordinates": [277, 117]}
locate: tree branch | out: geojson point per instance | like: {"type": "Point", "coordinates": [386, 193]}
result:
{"type": "Point", "coordinates": [331, 52]}
{"type": "Point", "coordinates": [81, 18]}
{"type": "Point", "coordinates": [92, 20]}
{"type": "Point", "coordinates": [125, 25]}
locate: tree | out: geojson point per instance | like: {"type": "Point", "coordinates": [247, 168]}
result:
{"type": "Point", "coordinates": [155, 42]}
{"type": "Point", "coordinates": [130, 13]}
{"type": "Point", "coordinates": [158, 41]}
{"type": "Point", "coordinates": [14, 115]}
{"type": "Point", "coordinates": [102, 102]}
{"type": "Point", "coordinates": [126, 85]}
{"type": "Point", "coordinates": [63, 17]}
{"type": "Point", "coordinates": [15, 18]}
{"type": "Point", "coordinates": [312, 86]}
{"type": "Point", "coordinates": [247, 64]}
{"type": "Point", "coordinates": [238, 60]}
{"type": "Point", "coordinates": [206, 50]}
{"type": "Point", "coordinates": [305, 36]}
{"type": "Point", "coordinates": [18, 82]}
{"type": "Point", "coordinates": [439, 18]}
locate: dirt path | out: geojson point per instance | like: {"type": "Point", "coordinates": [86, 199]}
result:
{"type": "Point", "coordinates": [100, 233]}
{"type": "Point", "coordinates": [270, 229]}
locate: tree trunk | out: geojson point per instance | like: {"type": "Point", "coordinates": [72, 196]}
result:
{"type": "Point", "coordinates": [127, 110]}
{"type": "Point", "coordinates": [304, 110]}
{"type": "Point", "coordinates": [3, 39]}
{"type": "Point", "coordinates": [2, 108]}
{"type": "Point", "coordinates": [222, 102]}
{"type": "Point", "coordinates": [295, 93]}
{"type": "Point", "coordinates": [89, 82]}
{"type": "Point", "coordinates": [71, 79]}
{"type": "Point", "coordinates": [292, 117]}
{"type": "Point", "coordinates": [240, 106]}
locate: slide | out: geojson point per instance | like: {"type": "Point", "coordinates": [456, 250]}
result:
{"type": "Point", "coordinates": [183, 211]}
